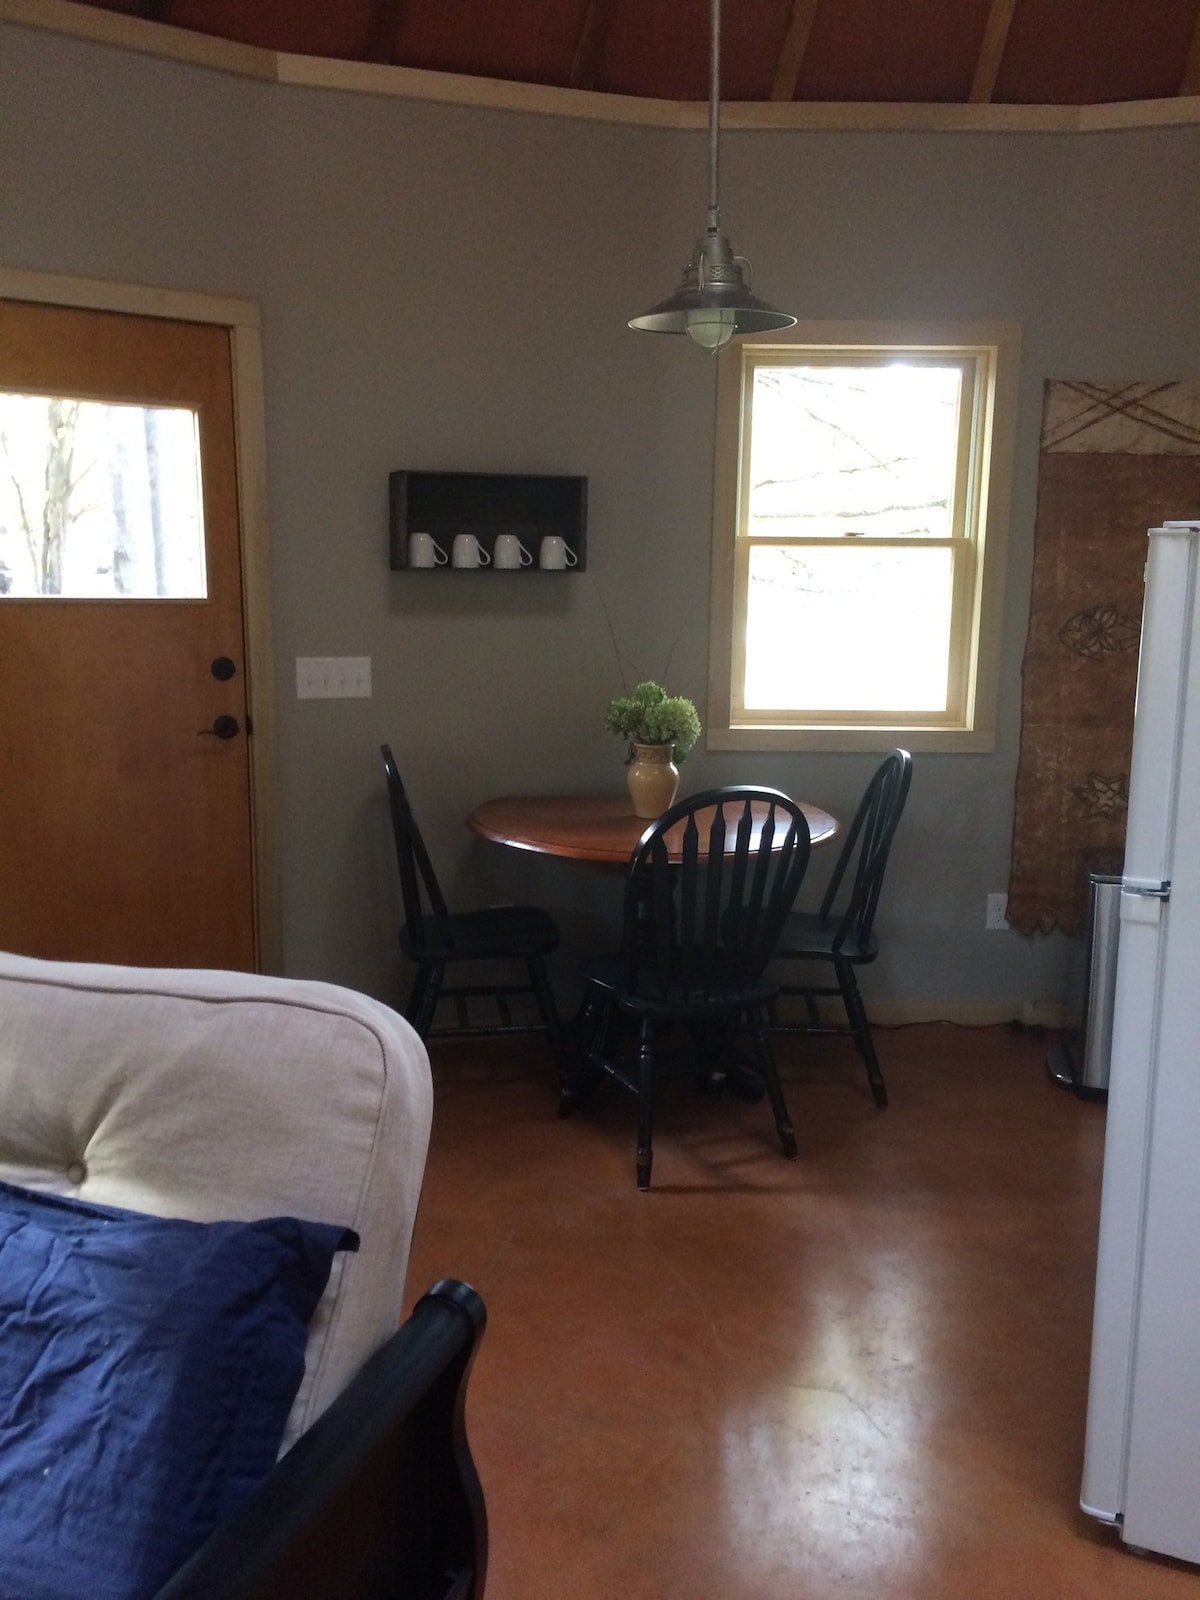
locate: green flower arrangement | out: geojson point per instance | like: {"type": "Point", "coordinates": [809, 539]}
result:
{"type": "Point", "coordinates": [651, 716]}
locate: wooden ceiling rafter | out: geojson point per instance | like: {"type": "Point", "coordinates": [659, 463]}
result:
{"type": "Point", "coordinates": [1190, 81]}
{"type": "Point", "coordinates": [380, 43]}
{"type": "Point", "coordinates": [791, 54]}
{"type": "Point", "coordinates": [991, 51]}
{"type": "Point", "coordinates": [1006, 57]}
{"type": "Point", "coordinates": [585, 65]}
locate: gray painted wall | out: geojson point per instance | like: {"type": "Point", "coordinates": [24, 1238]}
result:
{"type": "Point", "coordinates": [445, 287]}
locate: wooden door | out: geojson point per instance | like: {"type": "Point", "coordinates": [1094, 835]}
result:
{"type": "Point", "coordinates": [125, 820]}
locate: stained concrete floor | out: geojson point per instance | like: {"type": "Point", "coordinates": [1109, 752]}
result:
{"type": "Point", "coordinates": [857, 1376]}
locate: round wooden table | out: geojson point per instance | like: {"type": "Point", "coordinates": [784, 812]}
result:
{"type": "Point", "coordinates": [590, 827]}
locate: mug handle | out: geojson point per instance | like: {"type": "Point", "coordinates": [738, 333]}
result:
{"type": "Point", "coordinates": [485, 560]}
{"type": "Point", "coordinates": [526, 558]}
{"type": "Point", "coordinates": [572, 558]}
{"type": "Point", "coordinates": [440, 557]}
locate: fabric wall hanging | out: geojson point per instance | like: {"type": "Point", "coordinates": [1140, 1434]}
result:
{"type": "Point", "coordinates": [1116, 459]}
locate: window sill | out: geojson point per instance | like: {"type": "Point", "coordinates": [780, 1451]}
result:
{"type": "Point", "coordinates": [950, 741]}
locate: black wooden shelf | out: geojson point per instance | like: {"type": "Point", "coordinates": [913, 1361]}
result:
{"type": "Point", "coordinates": [487, 504]}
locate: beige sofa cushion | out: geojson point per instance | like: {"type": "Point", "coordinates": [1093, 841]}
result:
{"type": "Point", "coordinates": [214, 1095]}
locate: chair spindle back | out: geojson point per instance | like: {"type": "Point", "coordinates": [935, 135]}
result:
{"type": "Point", "coordinates": [418, 880]}
{"type": "Point", "coordinates": [866, 850]}
{"type": "Point", "coordinates": [704, 927]}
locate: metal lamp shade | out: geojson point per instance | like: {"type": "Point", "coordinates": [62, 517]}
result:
{"type": "Point", "coordinates": [713, 300]}
{"type": "Point", "coordinates": [676, 313]}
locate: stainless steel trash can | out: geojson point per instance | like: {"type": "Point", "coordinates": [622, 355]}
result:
{"type": "Point", "coordinates": [1100, 983]}
{"type": "Point", "coordinates": [1083, 1059]}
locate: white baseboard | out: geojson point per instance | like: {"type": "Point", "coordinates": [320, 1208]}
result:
{"type": "Point", "coordinates": [967, 1013]}
{"type": "Point", "coordinates": [976, 1014]}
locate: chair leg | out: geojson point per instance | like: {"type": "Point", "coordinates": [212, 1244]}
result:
{"type": "Point", "coordinates": [423, 997]}
{"type": "Point", "coordinates": [770, 1077]}
{"type": "Point", "coordinates": [645, 1132]}
{"type": "Point", "coordinates": [584, 1072]}
{"type": "Point", "coordinates": [857, 1013]}
{"type": "Point", "coordinates": [720, 1069]}
{"type": "Point", "coordinates": [548, 1012]}
{"type": "Point", "coordinates": [809, 997]}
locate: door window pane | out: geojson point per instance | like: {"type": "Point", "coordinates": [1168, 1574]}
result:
{"type": "Point", "coordinates": [99, 500]}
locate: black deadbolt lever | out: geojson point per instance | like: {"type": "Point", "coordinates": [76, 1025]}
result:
{"type": "Point", "coordinates": [224, 728]}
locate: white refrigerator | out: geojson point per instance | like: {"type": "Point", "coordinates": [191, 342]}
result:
{"type": "Point", "coordinates": [1142, 1453]}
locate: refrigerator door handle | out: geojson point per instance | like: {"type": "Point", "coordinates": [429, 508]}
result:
{"type": "Point", "coordinates": [1158, 888]}
{"type": "Point", "coordinates": [1144, 906]}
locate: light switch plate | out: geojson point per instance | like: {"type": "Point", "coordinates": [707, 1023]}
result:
{"type": "Point", "coordinates": [333, 677]}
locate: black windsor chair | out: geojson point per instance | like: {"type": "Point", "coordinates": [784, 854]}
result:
{"type": "Point", "coordinates": [435, 938]}
{"type": "Point", "coordinates": [841, 932]}
{"type": "Point", "coordinates": [698, 934]}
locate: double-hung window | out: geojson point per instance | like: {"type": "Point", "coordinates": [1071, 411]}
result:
{"type": "Point", "coordinates": [860, 507]}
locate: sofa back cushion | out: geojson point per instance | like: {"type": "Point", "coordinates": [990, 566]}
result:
{"type": "Point", "coordinates": [218, 1096]}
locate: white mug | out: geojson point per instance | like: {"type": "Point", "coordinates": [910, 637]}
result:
{"type": "Point", "coordinates": [468, 552]}
{"type": "Point", "coordinates": [509, 552]}
{"type": "Point", "coordinates": [555, 554]}
{"type": "Point", "coordinates": [424, 551]}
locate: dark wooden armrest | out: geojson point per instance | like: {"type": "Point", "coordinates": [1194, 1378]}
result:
{"type": "Point", "coordinates": [380, 1499]}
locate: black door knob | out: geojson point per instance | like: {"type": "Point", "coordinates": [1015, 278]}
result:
{"type": "Point", "coordinates": [226, 727]}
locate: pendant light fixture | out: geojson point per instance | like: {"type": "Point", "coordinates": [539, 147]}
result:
{"type": "Point", "coordinates": [713, 300]}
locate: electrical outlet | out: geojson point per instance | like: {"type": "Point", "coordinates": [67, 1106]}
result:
{"type": "Point", "coordinates": [333, 677]}
{"type": "Point", "coordinates": [996, 917]}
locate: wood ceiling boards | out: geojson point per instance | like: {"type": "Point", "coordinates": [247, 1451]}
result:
{"type": "Point", "coordinates": [1007, 52]}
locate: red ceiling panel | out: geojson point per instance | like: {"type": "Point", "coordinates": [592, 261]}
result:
{"type": "Point", "coordinates": [924, 50]}
{"type": "Point", "coordinates": [299, 26]}
{"type": "Point", "coordinates": [533, 41]}
{"type": "Point", "coordinates": [1057, 52]}
{"type": "Point", "coordinates": [1084, 52]}
{"type": "Point", "coordinates": [661, 48]}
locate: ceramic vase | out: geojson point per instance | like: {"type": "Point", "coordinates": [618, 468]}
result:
{"type": "Point", "coordinates": [653, 779]}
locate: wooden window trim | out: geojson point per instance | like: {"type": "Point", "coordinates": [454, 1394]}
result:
{"type": "Point", "coordinates": [979, 570]}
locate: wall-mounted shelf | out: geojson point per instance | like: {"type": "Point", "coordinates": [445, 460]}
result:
{"type": "Point", "coordinates": [487, 504]}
